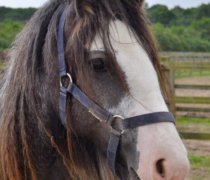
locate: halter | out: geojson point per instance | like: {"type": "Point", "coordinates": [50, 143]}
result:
{"type": "Point", "coordinates": [118, 124]}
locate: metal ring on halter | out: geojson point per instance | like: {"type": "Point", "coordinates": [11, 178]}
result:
{"type": "Point", "coordinates": [122, 118]}
{"type": "Point", "coordinates": [118, 116]}
{"type": "Point", "coordinates": [70, 80]}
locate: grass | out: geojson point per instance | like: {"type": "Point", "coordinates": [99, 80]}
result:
{"type": "Point", "coordinates": [187, 120]}
{"type": "Point", "coordinates": [191, 73]}
{"type": "Point", "coordinates": [194, 136]}
{"type": "Point", "coordinates": [200, 167]}
{"type": "Point", "coordinates": [192, 99]}
{"type": "Point", "coordinates": [194, 128]}
{"type": "Point", "coordinates": [199, 161]}
{"type": "Point", "coordinates": [200, 164]}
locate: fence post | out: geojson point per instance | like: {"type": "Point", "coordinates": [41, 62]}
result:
{"type": "Point", "coordinates": [172, 90]}
{"type": "Point", "coordinates": [169, 72]}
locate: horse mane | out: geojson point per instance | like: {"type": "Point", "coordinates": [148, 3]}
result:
{"type": "Point", "coordinates": [31, 135]}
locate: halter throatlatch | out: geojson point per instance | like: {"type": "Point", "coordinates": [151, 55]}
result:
{"type": "Point", "coordinates": [118, 124]}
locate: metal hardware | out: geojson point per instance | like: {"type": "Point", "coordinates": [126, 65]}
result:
{"type": "Point", "coordinates": [118, 117]}
{"type": "Point", "coordinates": [70, 80]}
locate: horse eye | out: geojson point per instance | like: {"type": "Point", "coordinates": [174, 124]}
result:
{"type": "Point", "coordinates": [98, 65]}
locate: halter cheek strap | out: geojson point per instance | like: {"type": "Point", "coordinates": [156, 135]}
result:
{"type": "Point", "coordinates": [62, 68]}
{"type": "Point", "coordinates": [118, 124]}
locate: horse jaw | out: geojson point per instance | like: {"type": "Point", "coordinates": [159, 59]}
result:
{"type": "Point", "coordinates": [158, 141]}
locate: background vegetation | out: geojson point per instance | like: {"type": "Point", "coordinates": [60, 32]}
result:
{"type": "Point", "coordinates": [11, 22]}
{"type": "Point", "coordinates": [181, 29]}
{"type": "Point", "coordinates": [176, 29]}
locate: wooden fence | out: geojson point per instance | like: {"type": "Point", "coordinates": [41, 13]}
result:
{"type": "Point", "coordinates": [189, 67]}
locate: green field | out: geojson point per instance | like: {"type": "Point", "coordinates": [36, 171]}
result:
{"type": "Point", "coordinates": [186, 65]}
{"type": "Point", "coordinates": [200, 161]}
{"type": "Point", "coordinates": [187, 120]}
{"type": "Point", "coordinates": [191, 73]}
{"type": "Point", "coordinates": [200, 167]}
{"type": "Point", "coordinates": [194, 128]}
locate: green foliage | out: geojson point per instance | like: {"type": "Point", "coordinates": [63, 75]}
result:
{"type": "Point", "coordinates": [8, 31]}
{"type": "Point", "coordinates": [203, 26]}
{"type": "Point", "coordinates": [16, 14]}
{"type": "Point", "coordinates": [203, 11]}
{"type": "Point", "coordinates": [11, 23]}
{"type": "Point", "coordinates": [181, 29]}
{"type": "Point", "coordinates": [181, 38]}
{"type": "Point", "coordinates": [176, 29]}
{"type": "Point", "coordinates": [178, 16]}
{"type": "Point", "coordinates": [161, 14]}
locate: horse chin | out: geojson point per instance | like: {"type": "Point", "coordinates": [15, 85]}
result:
{"type": "Point", "coordinates": [134, 175]}
{"type": "Point", "coordinates": [129, 174]}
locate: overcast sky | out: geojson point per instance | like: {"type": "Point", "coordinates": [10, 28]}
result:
{"type": "Point", "coordinates": [169, 3]}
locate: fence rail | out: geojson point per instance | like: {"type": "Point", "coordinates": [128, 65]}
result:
{"type": "Point", "coordinates": [174, 68]}
{"type": "Point", "coordinates": [192, 100]}
{"type": "Point", "coordinates": [192, 109]}
{"type": "Point", "coordinates": [192, 86]}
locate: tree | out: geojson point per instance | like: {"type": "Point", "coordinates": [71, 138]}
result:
{"type": "Point", "coordinates": [203, 26]}
{"type": "Point", "coordinates": [203, 11]}
{"type": "Point", "coordinates": [16, 14]}
{"type": "Point", "coordinates": [160, 13]}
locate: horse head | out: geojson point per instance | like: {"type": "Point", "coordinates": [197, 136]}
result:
{"type": "Point", "coordinates": [104, 117]}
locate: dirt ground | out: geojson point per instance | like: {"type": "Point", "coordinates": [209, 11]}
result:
{"type": "Point", "coordinates": [3, 55]}
{"type": "Point", "coordinates": [196, 81]}
{"type": "Point", "coordinates": [194, 128]}
{"type": "Point", "coordinates": [199, 174]}
{"type": "Point", "coordinates": [197, 147]}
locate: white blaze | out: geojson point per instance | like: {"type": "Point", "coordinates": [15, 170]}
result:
{"type": "Point", "coordinates": [145, 95]}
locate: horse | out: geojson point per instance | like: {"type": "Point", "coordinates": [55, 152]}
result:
{"type": "Point", "coordinates": [105, 117]}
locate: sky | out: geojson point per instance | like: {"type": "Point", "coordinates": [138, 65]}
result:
{"type": "Point", "coordinates": [169, 3]}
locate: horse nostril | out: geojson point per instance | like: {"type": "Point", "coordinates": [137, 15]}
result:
{"type": "Point", "coordinates": [160, 167]}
